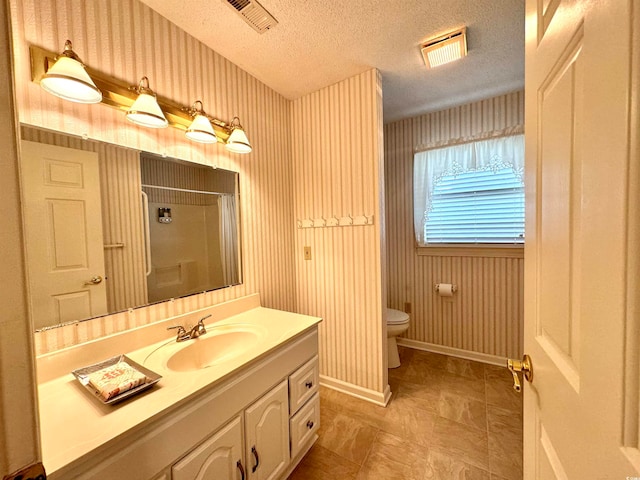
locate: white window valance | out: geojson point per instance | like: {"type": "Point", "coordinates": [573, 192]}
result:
{"type": "Point", "coordinates": [432, 165]}
{"type": "Point", "coordinates": [476, 137]}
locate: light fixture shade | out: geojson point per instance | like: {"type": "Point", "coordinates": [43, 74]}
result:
{"type": "Point", "coordinates": [145, 111]}
{"type": "Point", "coordinates": [201, 130]}
{"type": "Point", "coordinates": [68, 79]}
{"type": "Point", "coordinates": [238, 141]}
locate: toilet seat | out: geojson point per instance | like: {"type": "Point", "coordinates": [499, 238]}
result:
{"type": "Point", "coordinates": [396, 317]}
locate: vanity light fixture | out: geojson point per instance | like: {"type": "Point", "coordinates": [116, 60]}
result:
{"type": "Point", "coordinates": [68, 79]}
{"type": "Point", "coordinates": [145, 111]}
{"type": "Point", "coordinates": [445, 48]}
{"type": "Point", "coordinates": [200, 129]}
{"type": "Point", "coordinates": [237, 141]}
{"type": "Point", "coordinates": [143, 107]}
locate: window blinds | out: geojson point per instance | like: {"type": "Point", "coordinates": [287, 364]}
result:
{"type": "Point", "coordinates": [474, 182]}
{"type": "Point", "coordinates": [481, 206]}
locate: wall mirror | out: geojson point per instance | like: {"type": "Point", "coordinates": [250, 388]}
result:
{"type": "Point", "coordinates": [109, 228]}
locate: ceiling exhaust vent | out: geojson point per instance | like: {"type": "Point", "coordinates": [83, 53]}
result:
{"type": "Point", "coordinates": [254, 14]}
{"type": "Point", "coordinates": [445, 48]}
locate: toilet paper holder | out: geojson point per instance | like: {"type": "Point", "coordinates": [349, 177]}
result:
{"type": "Point", "coordinates": [445, 287]}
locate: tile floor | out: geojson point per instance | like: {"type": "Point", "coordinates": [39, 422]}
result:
{"type": "Point", "coordinates": [447, 419]}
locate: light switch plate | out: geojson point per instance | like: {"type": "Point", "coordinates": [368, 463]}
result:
{"type": "Point", "coordinates": [307, 253]}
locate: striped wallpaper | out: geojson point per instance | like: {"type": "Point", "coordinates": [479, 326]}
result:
{"type": "Point", "coordinates": [19, 430]}
{"type": "Point", "coordinates": [338, 171]}
{"type": "Point", "coordinates": [126, 39]}
{"type": "Point", "coordinates": [486, 314]}
{"type": "Point", "coordinates": [186, 176]}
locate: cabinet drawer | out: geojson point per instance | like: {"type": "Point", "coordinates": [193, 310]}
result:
{"type": "Point", "coordinates": [304, 424]}
{"type": "Point", "coordinates": [303, 383]}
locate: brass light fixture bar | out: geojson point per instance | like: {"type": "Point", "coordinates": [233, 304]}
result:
{"type": "Point", "coordinates": [119, 94]}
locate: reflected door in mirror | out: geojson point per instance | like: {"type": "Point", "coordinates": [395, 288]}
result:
{"type": "Point", "coordinates": [106, 230]}
{"type": "Point", "coordinates": [63, 230]}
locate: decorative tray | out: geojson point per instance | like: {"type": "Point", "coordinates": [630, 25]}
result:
{"type": "Point", "coordinates": [82, 375]}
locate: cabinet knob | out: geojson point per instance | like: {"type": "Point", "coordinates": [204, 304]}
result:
{"type": "Point", "coordinates": [309, 424]}
{"type": "Point", "coordinates": [309, 384]}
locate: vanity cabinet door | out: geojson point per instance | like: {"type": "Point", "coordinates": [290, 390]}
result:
{"type": "Point", "coordinates": [267, 434]}
{"type": "Point", "coordinates": [217, 458]}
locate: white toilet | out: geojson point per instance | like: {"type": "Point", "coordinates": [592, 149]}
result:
{"type": "Point", "coordinates": [397, 324]}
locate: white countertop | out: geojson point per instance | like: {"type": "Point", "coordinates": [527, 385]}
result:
{"type": "Point", "coordinates": [73, 423]}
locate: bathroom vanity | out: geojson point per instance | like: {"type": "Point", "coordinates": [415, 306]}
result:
{"type": "Point", "coordinates": [246, 408]}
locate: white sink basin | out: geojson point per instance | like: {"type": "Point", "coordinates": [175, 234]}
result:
{"type": "Point", "coordinates": [219, 345]}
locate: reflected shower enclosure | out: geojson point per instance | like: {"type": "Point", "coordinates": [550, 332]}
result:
{"type": "Point", "coordinates": [191, 225]}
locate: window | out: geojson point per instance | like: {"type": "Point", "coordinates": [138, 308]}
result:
{"type": "Point", "coordinates": [477, 207]}
{"type": "Point", "coordinates": [471, 193]}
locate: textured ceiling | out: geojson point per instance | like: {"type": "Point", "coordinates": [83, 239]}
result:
{"type": "Point", "coordinates": [320, 42]}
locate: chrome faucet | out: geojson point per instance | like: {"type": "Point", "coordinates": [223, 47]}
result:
{"type": "Point", "coordinates": [194, 332]}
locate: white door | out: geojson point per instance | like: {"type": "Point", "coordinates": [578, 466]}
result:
{"type": "Point", "coordinates": [581, 411]}
{"type": "Point", "coordinates": [63, 233]}
{"type": "Point", "coordinates": [217, 458]}
{"type": "Point", "coordinates": [267, 434]}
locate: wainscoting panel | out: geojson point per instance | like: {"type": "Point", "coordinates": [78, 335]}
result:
{"type": "Point", "coordinates": [486, 314]}
{"type": "Point", "coordinates": [127, 39]}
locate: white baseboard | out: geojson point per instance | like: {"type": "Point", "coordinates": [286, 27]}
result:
{"type": "Point", "coordinates": [355, 391]}
{"type": "Point", "coordinates": [454, 352]}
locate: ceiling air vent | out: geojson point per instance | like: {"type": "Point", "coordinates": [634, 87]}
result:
{"type": "Point", "coordinates": [445, 48]}
{"type": "Point", "coordinates": [254, 14]}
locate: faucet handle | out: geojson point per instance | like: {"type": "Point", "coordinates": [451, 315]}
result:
{"type": "Point", "coordinates": [201, 329]}
{"type": "Point", "coordinates": [182, 333]}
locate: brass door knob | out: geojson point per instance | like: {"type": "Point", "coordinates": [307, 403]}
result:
{"type": "Point", "coordinates": [525, 366]}
{"type": "Point", "coordinates": [94, 280]}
